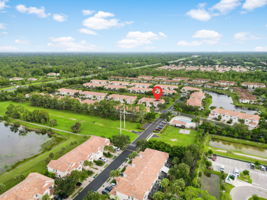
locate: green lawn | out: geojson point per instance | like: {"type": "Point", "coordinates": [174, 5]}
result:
{"type": "Point", "coordinates": [91, 125]}
{"type": "Point", "coordinates": [172, 136]}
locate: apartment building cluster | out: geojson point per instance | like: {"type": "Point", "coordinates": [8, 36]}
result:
{"type": "Point", "coordinates": [196, 96]}
{"type": "Point", "coordinates": [217, 68]}
{"type": "Point", "coordinates": [253, 85]}
{"type": "Point", "coordinates": [134, 87]}
{"type": "Point", "coordinates": [93, 97]}
{"type": "Point", "coordinates": [33, 187]}
{"type": "Point", "coordinates": [90, 150]}
{"type": "Point", "coordinates": [141, 175]}
{"type": "Point", "coordinates": [234, 117]}
{"type": "Point", "coordinates": [245, 96]}
{"type": "Point", "coordinates": [36, 185]}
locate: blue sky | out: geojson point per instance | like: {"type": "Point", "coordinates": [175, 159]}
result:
{"type": "Point", "coordinates": [132, 25]}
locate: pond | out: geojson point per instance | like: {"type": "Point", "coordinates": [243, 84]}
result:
{"type": "Point", "coordinates": [16, 146]}
{"type": "Point", "coordinates": [226, 102]}
{"type": "Point", "coordinates": [231, 146]}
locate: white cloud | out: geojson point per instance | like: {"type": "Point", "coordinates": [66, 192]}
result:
{"type": "Point", "coordinates": [59, 18]}
{"type": "Point", "coordinates": [261, 48]}
{"type": "Point", "coordinates": [103, 20]}
{"type": "Point", "coordinates": [8, 48]}
{"type": "Point", "coordinates": [204, 37]}
{"type": "Point", "coordinates": [87, 12]}
{"type": "Point", "coordinates": [40, 12]}
{"type": "Point", "coordinates": [3, 4]}
{"type": "Point", "coordinates": [2, 26]}
{"type": "Point", "coordinates": [70, 44]}
{"type": "Point", "coordinates": [252, 4]}
{"type": "Point", "coordinates": [207, 34]}
{"type": "Point", "coordinates": [199, 14]}
{"type": "Point", "coordinates": [137, 38]}
{"type": "Point", "coordinates": [19, 41]}
{"type": "Point", "coordinates": [87, 31]}
{"type": "Point", "coordinates": [242, 36]}
{"type": "Point", "coordinates": [225, 6]}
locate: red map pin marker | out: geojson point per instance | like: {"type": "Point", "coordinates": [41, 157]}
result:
{"type": "Point", "coordinates": [157, 92]}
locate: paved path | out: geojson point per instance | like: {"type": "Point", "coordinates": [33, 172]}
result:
{"type": "Point", "coordinates": [245, 192]}
{"type": "Point", "coordinates": [103, 176]}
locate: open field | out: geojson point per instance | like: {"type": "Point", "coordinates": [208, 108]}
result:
{"type": "Point", "coordinates": [90, 125]}
{"type": "Point", "coordinates": [172, 136]}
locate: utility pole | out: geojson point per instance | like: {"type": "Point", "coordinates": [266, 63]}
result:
{"type": "Point", "coordinates": [120, 122]}
{"type": "Point", "coordinates": [124, 115]}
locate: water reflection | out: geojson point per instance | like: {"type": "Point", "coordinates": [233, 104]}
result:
{"type": "Point", "coordinates": [231, 146]}
{"type": "Point", "coordinates": [17, 144]}
{"type": "Point", "coordinates": [226, 102]}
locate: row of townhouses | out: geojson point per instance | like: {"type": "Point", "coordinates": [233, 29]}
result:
{"type": "Point", "coordinates": [250, 120]}
{"type": "Point", "coordinates": [131, 87]}
{"type": "Point", "coordinates": [141, 175]}
{"type": "Point", "coordinates": [92, 97]}
{"type": "Point", "coordinates": [221, 84]}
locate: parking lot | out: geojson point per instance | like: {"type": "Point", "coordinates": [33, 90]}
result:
{"type": "Point", "coordinates": [243, 190]}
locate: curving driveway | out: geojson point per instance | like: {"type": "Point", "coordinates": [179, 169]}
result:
{"type": "Point", "coordinates": [245, 192]}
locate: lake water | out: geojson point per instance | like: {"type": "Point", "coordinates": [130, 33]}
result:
{"type": "Point", "coordinates": [15, 146]}
{"type": "Point", "coordinates": [226, 102]}
{"type": "Point", "coordinates": [231, 146]}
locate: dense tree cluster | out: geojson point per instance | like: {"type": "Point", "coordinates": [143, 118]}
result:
{"type": "Point", "coordinates": [238, 131]}
{"type": "Point", "coordinates": [19, 112]}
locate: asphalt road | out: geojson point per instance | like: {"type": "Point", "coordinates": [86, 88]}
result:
{"type": "Point", "coordinates": [104, 175]}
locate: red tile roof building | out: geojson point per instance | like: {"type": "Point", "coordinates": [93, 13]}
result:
{"type": "Point", "coordinates": [195, 99]}
{"type": "Point", "coordinates": [90, 150]}
{"type": "Point", "coordinates": [250, 120]}
{"type": "Point", "coordinates": [140, 176]}
{"type": "Point", "coordinates": [149, 102]}
{"type": "Point", "coordinates": [123, 98]}
{"type": "Point", "coordinates": [33, 187]}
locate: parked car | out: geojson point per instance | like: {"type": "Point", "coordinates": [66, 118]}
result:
{"type": "Point", "coordinates": [262, 168]}
{"type": "Point", "coordinates": [221, 168]}
{"type": "Point", "coordinates": [103, 159]}
{"type": "Point", "coordinates": [105, 191]}
{"type": "Point", "coordinates": [252, 165]}
{"type": "Point", "coordinates": [236, 172]}
{"type": "Point", "coordinates": [109, 188]}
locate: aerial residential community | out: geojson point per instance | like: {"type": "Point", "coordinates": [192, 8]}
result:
{"type": "Point", "coordinates": [133, 100]}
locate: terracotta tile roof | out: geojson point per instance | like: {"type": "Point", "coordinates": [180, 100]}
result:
{"type": "Point", "coordinates": [72, 91]}
{"type": "Point", "coordinates": [34, 184]}
{"type": "Point", "coordinates": [117, 87]}
{"type": "Point", "coordinates": [143, 85]}
{"type": "Point", "coordinates": [122, 97]}
{"type": "Point", "coordinates": [236, 114]}
{"type": "Point", "coordinates": [140, 176]}
{"type": "Point", "coordinates": [245, 94]}
{"type": "Point", "coordinates": [161, 78]}
{"type": "Point", "coordinates": [93, 84]}
{"type": "Point", "coordinates": [88, 101]}
{"type": "Point", "coordinates": [252, 84]}
{"type": "Point", "coordinates": [93, 93]}
{"type": "Point", "coordinates": [75, 157]}
{"type": "Point", "coordinates": [119, 83]}
{"type": "Point", "coordinates": [196, 99]}
{"type": "Point", "coordinates": [188, 88]}
{"type": "Point", "coordinates": [138, 89]}
{"type": "Point", "coordinates": [150, 100]}
{"type": "Point", "coordinates": [180, 79]}
{"type": "Point", "coordinates": [171, 87]}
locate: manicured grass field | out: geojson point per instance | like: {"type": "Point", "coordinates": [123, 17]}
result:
{"type": "Point", "coordinates": [172, 136]}
{"type": "Point", "coordinates": [90, 125]}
